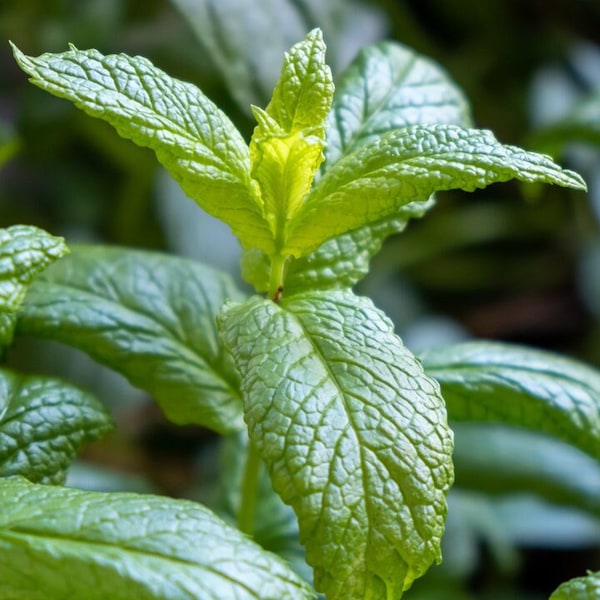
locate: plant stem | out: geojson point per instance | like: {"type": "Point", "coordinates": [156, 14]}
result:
{"type": "Point", "coordinates": [277, 276]}
{"type": "Point", "coordinates": [247, 508]}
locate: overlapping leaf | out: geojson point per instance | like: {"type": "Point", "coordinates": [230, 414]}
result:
{"type": "Point", "coordinates": [354, 435]}
{"type": "Point", "coordinates": [43, 424]}
{"type": "Point", "coordinates": [57, 543]}
{"type": "Point", "coordinates": [193, 139]}
{"type": "Point", "coordinates": [408, 165]}
{"type": "Point", "coordinates": [389, 86]}
{"type": "Point", "coordinates": [150, 317]}
{"type": "Point", "coordinates": [25, 251]}
{"type": "Point", "coordinates": [484, 381]}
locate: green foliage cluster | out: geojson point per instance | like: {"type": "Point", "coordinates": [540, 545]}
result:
{"type": "Point", "coordinates": [343, 432]}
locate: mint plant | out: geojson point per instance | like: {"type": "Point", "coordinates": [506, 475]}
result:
{"type": "Point", "coordinates": [304, 378]}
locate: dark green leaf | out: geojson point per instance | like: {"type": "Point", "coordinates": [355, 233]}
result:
{"type": "Point", "coordinates": [150, 317]}
{"type": "Point", "coordinates": [25, 251]}
{"type": "Point", "coordinates": [43, 424]}
{"type": "Point", "coordinates": [501, 383]}
{"type": "Point", "coordinates": [58, 543]}
{"type": "Point", "coordinates": [354, 435]}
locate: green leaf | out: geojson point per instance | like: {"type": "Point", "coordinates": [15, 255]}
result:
{"type": "Point", "coordinates": [354, 435]}
{"type": "Point", "coordinates": [25, 251]}
{"type": "Point", "coordinates": [192, 138]}
{"type": "Point", "coordinates": [287, 145]}
{"type": "Point", "coordinates": [150, 317]}
{"type": "Point", "coordinates": [44, 422]}
{"type": "Point", "coordinates": [501, 383]}
{"type": "Point", "coordinates": [57, 543]}
{"type": "Point", "coordinates": [580, 588]}
{"type": "Point", "coordinates": [500, 460]}
{"type": "Point", "coordinates": [389, 86]}
{"type": "Point", "coordinates": [340, 262]}
{"type": "Point", "coordinates": [408, 165]}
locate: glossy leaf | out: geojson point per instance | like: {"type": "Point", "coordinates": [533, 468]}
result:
{"type": "Point", "coordinates": [193, 139]}
{"type": "Point", "coordinates": [25, 251]}
{"type": "Point", "coordinates": [354, 435]}
{"type": "Point", "coordinates": [150, 317]}
{"type": "Point", "coordinates": [389, 86]}
{"type": "Point", "coordinates": [44, 422]}
{"type": "Point", "coordinates": [580, 588]}
{"type": "Point", "coordinates": [501, 383]}
{"type": "Point", "coordinates": [408, 165]}
{"type": "Point", "coordinates": [57, 543]}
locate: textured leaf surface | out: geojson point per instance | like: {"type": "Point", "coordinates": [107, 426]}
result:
{"type": "Point", "coordinates": [192, 138]}
{"type": "Point", "coordinates": [388, 86]}
{"type": "Point", "coordinates": [408, 165]}
{"type": "Point", "coordinates": [25, 251]}
{"type": "Point", "coordinates": [497, 459]}
{"type": "Point", "coordinates": [57, 543]}
{"type": "Point", "coordinates": [43, 424]}
{"type": "Point", "coordinates": [483, 381]}
{"type": "Point", "coordinates": [354, 435]}
{"type": "Point", "coordinates": [287, 145]}
{"type": "Point", "coordinates": [580, 588]}
{"type": "Point", "coordinates": [150, 317]}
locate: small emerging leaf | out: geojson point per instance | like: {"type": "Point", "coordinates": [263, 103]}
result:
{"type": "Point", "coordinates": [287, 145]}
{"type": "Point", "coordinates": [43, 424]}
{"type": "Point", "coordinates": [25, 251]}
{"type": "Point", "coordinates": [580, 588]}
{"type": "Point", "coordinates": [354, 435]}
{"type": "Point", "coordinates": [494, 382]}
{"type": "Point", "coordinates": [58, 543]}
{"type": "Point", "coordinates": [408, 165]}
{"type": "Point", "coordinates": [193, 139]}
{"type": "Point", "coordinates": [150, 317]}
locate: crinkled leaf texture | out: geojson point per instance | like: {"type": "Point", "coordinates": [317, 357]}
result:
{"type": "Point", "coordinates": [354, 435]}
{"type": "Point", "coordinates": [408, 165]}
{"type": "Point", "coordinates": [150, 317]}
{"type": "Point", "coordinates": [389, 86]}
{"type": "Point", "coordinates": [502, 383]}
{"type": "Point", "coordinates": [43, 424]}
{"type": "Point", "coordinates": [193, 139]}
{"type": "Point", "coordinates": [580, 588]}
{"type": "Point", "coordinates": [25, 251]}
{"type": "Point", "coordinates": [58, 543]}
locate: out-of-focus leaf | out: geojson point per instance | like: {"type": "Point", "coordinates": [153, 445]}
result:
{"type": "Point", "coordinates": [503, 383]}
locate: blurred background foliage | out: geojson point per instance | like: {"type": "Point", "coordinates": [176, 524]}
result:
{"type": "Point", "coordinates": [513, 262]}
